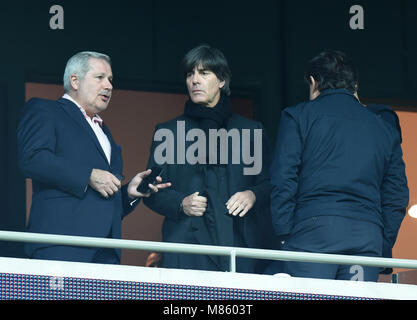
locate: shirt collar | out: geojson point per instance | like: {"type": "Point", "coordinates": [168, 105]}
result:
{"type": "Point", "coordinates": [96, 118]}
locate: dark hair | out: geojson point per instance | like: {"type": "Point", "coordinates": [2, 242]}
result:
{"type": "Point", "coordinates": [332, 70]}
{"type": "Point", "coordinates": [210, 59]}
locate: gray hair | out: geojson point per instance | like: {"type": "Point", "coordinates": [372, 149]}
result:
{"type": "Point", "coordinates": [78, 64]}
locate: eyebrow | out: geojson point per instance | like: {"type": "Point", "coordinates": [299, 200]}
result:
{"type": "Point", "coordinates": [199, 70]}
{"type": "Point", "coordinates": [103, 74]}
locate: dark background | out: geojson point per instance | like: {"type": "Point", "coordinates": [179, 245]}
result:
{"type": "Point", "coordinates": [267, 43]}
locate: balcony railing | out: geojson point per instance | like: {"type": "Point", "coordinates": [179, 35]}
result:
{"type": "Point", "coordinates": [231, 252]}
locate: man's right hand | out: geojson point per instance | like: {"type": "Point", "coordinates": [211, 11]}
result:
{"type": "Point", "coordinates": [104, 182]}
{"type": "Point", "coordinates": [194, 205]}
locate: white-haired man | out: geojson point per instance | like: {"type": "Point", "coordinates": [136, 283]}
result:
{"type": "Point", "coordinates": [75, 165]}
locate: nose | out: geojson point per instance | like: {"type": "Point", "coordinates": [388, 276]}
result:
{"type": "Point", "coordinates": [195, 78]}
{"type": "Point", "coordinates": [108, 85]}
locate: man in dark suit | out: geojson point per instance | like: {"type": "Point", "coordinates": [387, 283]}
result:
{"type": "Point", "coordinates": [75, 165]}
{"type": "Point", "coordinates": [215, 199]}
{"type": "Point", "coordinates": [338, 177]}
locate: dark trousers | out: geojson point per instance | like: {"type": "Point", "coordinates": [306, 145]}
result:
{"type": "Point", "coordinates": [336, 235]}
{"type": "Point", "coordinates": [78, 254]}
{"type": "Point", "coordinates": [106, 256]}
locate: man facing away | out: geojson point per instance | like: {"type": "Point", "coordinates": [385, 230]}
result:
{"type": "Point", "coordinates": [338, 177]}
{"type": "Point", "coordinates": [75, 164]}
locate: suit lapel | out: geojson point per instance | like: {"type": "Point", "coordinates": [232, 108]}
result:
{"type": "Point", "coordinates": [75, 113]}
{"type": "Point", "coordinates": [114, 146]}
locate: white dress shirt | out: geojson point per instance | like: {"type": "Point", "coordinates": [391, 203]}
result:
{"type": "Point", "coordinates": [95, 124]}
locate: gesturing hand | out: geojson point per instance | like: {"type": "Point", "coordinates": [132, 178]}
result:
{"type": "Point", "coordinates": [137, 180]}
{"type": "Point", "coordinates": [104, 182]}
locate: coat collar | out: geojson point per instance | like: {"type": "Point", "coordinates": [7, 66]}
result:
{"type": "Point", "coordinates": [328, 92]}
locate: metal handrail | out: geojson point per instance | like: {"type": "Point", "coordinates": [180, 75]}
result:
{"type": "Point", "coordinates": [232, 252]}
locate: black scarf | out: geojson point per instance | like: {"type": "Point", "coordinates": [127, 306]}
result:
{"type": "Point", "coordinates": [210, 117]}
{"type": "Point", "coordinates": [216, 117]}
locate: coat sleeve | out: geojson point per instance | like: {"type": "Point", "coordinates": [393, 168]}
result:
{"type": "Point", "coordinates": [165, 202]}
{"type": "Point", "coordinates": [284, 173]}
{"type": "Point", "coordinates": [36, 137]}
{"type": "Point", "coordinates": [394, 189]}
{"type": "Point", "coordinates": [128, 204]}
{"type": "Point", "coordinates": [394, 197]}
{"type": "Point", "coordinates": [262, 184]}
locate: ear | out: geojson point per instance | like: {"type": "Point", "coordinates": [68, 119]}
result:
{"type": "Point", "coordinates": [74, 81]}
{"type": "Point", "coordinates": [313, 82]}
{"type": "Point", "coordinates": [314, 93]}
{"type": "Point", "coordinates": [222, 83]}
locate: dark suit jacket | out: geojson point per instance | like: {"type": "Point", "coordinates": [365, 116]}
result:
{"type": "Point", "coordinates": [186, 179]}
{"type": "Point", "coordinates": [335, 157]}
{"type": "Point", "coordinates": [58, 150]}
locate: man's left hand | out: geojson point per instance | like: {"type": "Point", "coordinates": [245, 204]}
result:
{"type": "Point", "coordinates": [241, 202]}
{"type": "Point", "coordinates": [137, 180]}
